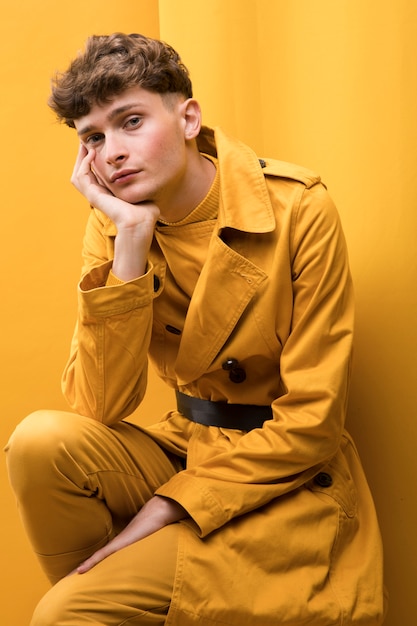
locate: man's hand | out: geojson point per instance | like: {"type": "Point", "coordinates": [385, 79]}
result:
{"type": "Point", "coordinates": [123, 214]}
{"type": "Point", "coordinates": [85, 179]}
{"type": "Point", "coordinates": [154, 515]}
{"type": "Point", "coordinates": [135, 223]}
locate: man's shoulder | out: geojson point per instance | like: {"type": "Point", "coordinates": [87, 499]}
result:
{"type": "Point", "coordinates": [217, 143]}
{"type": "Point", "coordinates": [291, 171]}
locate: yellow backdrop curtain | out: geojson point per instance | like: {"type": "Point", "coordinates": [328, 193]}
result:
{"type": "Point", "coordinates": [331, 85]}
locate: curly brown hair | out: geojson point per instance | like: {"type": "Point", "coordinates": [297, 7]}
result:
{"type": "Point", "coordinates": [109, 65]}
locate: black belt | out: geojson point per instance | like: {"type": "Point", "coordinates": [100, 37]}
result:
{"type": "Point", "coordinates": [222, 414]}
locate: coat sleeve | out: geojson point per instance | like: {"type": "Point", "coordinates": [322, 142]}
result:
{"type": "Point", "coordinates": [308, 418]}
{"type": "Point", "coordinates": [111, 339]}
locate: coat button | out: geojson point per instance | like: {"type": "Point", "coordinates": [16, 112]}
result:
{"type": "Point", "coordinates": [323, 479]}
{"type": "Point", "coordinates": [230, 364]}
{"type": "Point", "coordinates": [156, 283]}
{"type": "Point", "coordinates": [236, 374]}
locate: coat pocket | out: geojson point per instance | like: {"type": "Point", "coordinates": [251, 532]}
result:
{"type": "Point", "coordinates": [335, 481]}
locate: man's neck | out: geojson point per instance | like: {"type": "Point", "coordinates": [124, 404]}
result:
{"type": "Point", "coordinates": [193, 189]}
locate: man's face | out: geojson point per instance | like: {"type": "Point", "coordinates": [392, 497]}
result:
{"type": "Point", "coordinates": [139, 144]}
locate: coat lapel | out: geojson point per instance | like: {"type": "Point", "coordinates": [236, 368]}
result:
{"type": "Point", "coordinates": [229, 278]}
{"type": "Point", "coordinates": [226, 285]}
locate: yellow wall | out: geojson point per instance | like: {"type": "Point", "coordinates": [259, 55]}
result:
{"type": "Point", "coordinates": [42, 222]}
{"type": "Point", "coordinates": [332, 85]}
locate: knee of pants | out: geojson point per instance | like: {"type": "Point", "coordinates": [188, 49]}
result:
{"type": "Point", "coordinates": [47, 613]}
{"type": "Point", "coordinates": [35, 446]}
{"type": "Point", "coordinates": [132, 586]}
{"type": "Point", "coordinates": [53, 608]}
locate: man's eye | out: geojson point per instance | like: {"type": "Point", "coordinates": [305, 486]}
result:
{"type": "Point", "coordinates": [92, 139]}
{"type": "Point", "coordinates": [133, 122]}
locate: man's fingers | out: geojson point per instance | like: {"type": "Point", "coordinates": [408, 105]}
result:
{"type": "Point", "coordinates": [81, 154]}
{"type": "Point", "coordinates": [95, 558]}
{"type": "Point", "coordinates": [154, 515]}
{"type": "Point", "coordinates": [82, 166]}
{"type": "Point", "coordinates": [113, 546]}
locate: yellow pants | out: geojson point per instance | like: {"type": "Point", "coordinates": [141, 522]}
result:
{"type": "Point", "coordinates": [77, 484]}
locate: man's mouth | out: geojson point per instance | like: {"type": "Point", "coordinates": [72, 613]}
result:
{"type": "Point", "coordinates": [123, 176]}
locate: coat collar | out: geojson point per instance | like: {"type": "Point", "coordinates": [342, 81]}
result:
{"type": "Point", "coordinates": [244, 199]}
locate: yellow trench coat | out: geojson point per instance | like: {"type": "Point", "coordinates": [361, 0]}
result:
{"type": "Point", "coordinates": [282, 527]}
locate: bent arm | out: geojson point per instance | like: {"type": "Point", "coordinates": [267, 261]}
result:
{"type": "Point", "coordinates": [114, 303]}
{"type": "Point", "coordinates": [105, 377]}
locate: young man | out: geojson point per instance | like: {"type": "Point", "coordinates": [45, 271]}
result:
{"type": "Point", "coordinates": [246, 504]}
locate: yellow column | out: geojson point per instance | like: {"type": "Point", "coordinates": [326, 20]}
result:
{"type": "Point", "coordinates": [42, 224]}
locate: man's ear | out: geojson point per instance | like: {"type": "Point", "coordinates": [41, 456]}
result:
{"type": "Point", "coordinates": [191, 112]}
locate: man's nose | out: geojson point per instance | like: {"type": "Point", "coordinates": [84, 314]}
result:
{"type": "Point", "coordinates": [116, 151]}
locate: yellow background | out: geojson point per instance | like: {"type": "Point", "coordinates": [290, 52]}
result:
{"type": "Point", "coordinates": [330, 84]}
